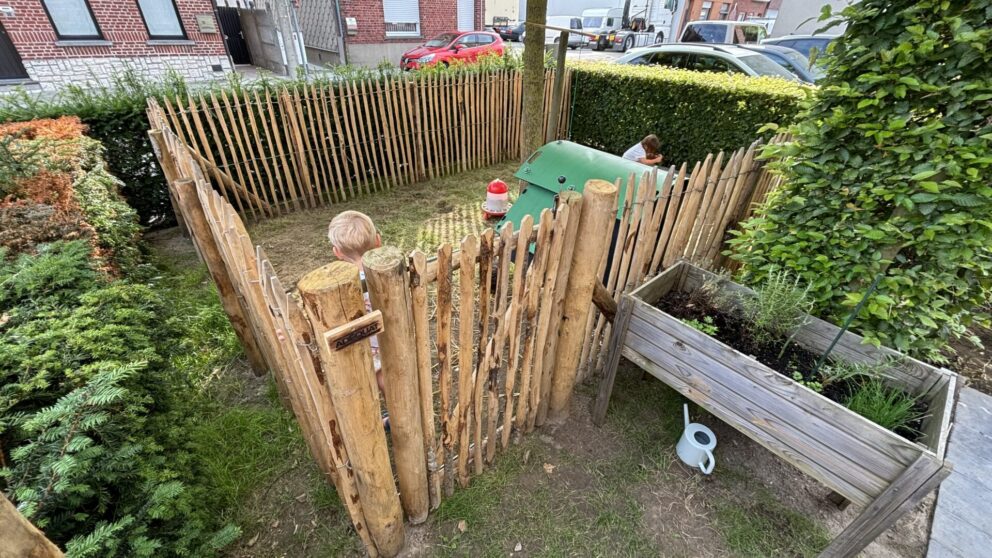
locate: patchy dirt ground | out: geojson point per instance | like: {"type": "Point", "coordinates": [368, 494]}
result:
{"type": "Point", "coordinates": [421, 215]}
{"type": "Point", "coordinates": [973, 362]}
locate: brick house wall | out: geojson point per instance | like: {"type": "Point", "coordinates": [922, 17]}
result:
{"type": "Point", "coordinates": [125, 43]}
{"type": "Point", "coordinates": [370, 45]}
{"type": "Point", "coordinates": [736, 9]}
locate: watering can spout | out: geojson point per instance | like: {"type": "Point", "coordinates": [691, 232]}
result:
{"type": "Point", "coordinates": [685, 412]}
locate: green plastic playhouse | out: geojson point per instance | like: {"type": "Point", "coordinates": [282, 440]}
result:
{"type": "Point", "coordinates": [563, 165]}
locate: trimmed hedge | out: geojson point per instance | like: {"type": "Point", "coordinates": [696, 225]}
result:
{"type": "Point", "coordinates": [692, 113]}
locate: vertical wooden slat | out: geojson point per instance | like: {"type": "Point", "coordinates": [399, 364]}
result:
{"type": "Point", "coordinates": [373, 137]}
{"type": "Point", "coordinates": [316, 147]}
{"type": "Point", "coordinates": [335, 141]}
{"type": "Point", "coordinates": [344, 148]}
{"type": "Point", "coordinates": [295, 133]}
{"type": "Point", "coordinates": [234, 153]}
{"type": "Point", "coordinates": [517, 307]}
{"type": "Point", "coordinates": [388, 281]}
{"type": "Point", "coordinates": [495, 359]}
{"type": "Point", "coordinates": [449, 421]}
{"type": "Point", "coordinates": [418, 263]}
{"type": "Point", "coordinates": [466, 327]}
{"type": "Point", "coordinates": [671, 215]}
{"type": "Point", "coordinates": [291, 190]}
{"type": "Point", "coordinates": [485, 293]}
{"type": "Point", "coordinates": [260, 155]}
{"type": "Point", "coordinates": [390, 152]}
{"type": "Point", "coordinates": [361, 137]}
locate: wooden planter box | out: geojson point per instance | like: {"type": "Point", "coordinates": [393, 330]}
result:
{"type": "Point", "coordinates": [863, 462]}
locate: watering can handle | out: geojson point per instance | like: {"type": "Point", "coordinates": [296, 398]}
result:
{"type": "Point", "coordinates": [709, 463]}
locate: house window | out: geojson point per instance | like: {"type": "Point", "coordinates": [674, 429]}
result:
{"type": "Point", "coordinates": [724, 11]}
{"type": "Point", "coordinates": [72, 19]}
{"type": "Point", "coordinates": [402, 18]}
{"type": "Point", "coordinates": [705, 12]}
{"type": "Point", "coordinates": [161, 19]}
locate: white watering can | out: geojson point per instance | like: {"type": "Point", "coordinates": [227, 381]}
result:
{"type": "Point", "coordinates": [695, 448]}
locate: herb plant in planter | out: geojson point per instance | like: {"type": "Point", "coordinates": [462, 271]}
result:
{"type": "Point", "coordinates": [743, 375]}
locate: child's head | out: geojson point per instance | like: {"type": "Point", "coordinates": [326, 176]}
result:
{"type": "Point", "coordinates": [352, 233]}
{"type": "Point", "coordinates": [652, 145]}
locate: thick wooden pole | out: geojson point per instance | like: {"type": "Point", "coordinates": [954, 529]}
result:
{"type": "Point", "coordinates": [196, 220]}
{"type": "Point", "coordinates": [554, 112]}
{"type": "Point", "coordinates": [532, 128]}
{"type": "Point", "coordinates": [19, 538]}
{"type": "Point", "coordinates": [332, 296]}
{"type": "Point", "coordinates": [388, 283]}
{"type": "Point", "coordinates": [170, 173]}
{"type": "Point", "coordinates": [595, 224]}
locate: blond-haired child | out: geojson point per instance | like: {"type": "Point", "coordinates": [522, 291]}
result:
{"type": "Point", "coordinates": [352, 233]}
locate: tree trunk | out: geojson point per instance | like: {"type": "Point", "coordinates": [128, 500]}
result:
{"type": "Point", "coordinates": [533, 117]}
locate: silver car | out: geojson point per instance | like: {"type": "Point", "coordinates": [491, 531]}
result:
{"type": "Point", "coordinates": [707, 58]}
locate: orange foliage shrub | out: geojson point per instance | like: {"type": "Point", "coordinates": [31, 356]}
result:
{"type": "Point", "coordinates": [62, 128]}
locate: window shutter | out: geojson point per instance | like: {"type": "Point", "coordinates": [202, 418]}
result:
{"type": "Point", "coordinates": [466, 15]}
{"type": "Point", "coordinates": [402, 18]}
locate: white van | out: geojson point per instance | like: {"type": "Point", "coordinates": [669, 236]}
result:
{"type": "Point", "coordinates": [552, 36]}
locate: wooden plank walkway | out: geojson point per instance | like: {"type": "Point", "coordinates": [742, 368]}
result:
{"type": "Point", "coordinates": [962, 521]}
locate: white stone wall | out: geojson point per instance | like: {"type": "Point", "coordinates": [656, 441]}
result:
{"type": "Point", "coordinates": [54, 74]}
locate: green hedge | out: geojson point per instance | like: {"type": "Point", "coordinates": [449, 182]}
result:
{"type": "Point", "coordinates": [693, 113]}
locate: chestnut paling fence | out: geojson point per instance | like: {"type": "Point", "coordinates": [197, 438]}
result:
{"type": "Point", "coordinates": [302, 146]}
{"type": "Point", "coordinates": [479, 341]}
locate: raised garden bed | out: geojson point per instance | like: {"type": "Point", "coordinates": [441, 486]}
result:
{"type": "Point", "coordinates": [854, 457]}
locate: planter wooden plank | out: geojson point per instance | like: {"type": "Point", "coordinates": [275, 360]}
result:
{"type": "Point", "coordinates": [858, 459]}
{"type": "Point", "coordinates": [723, 409]}
{"type": "Point", "coordinates": [881, 451]}
{"type": "Point", "coordinates": [912, 375]}
{"type": "Point", "coordinates": [937, 425]}
{"type": "Point", "coordinates": [784, 428]}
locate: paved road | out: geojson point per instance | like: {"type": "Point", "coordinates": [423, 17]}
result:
{"type": "Point", "coordinates": [580, 54]}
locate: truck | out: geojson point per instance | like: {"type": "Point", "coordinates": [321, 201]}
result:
{"type": "Point", "coordinates": [638, 23]}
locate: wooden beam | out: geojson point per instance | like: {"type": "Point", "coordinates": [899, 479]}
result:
{"type": "Point", "coordinates": [603, 301]}
{"type": "Point", "coordinates": [599, 201]}
{"type": "Point", "coordinates": [554, 112]}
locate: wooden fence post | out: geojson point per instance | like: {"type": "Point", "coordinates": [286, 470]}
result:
{"type": "Point", "coordinates": [170, 173]}
{"type": "Point", "coordinates": [332, 296]}
{"type": "Point", "coordinates": [388, 283]}
{"type": "Point", "coordinates": [189, 204]}
{"type": "Point", "coordinates": [593, 239]}
{"type": "Point", "coordinates": [21, 538]}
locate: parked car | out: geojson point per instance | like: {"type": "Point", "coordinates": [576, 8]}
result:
{"type": "Point", "coordinates": [448, 47]}
{"type": "Point", "coordinates": [803, 43]}
{"type": "Point", "coordinates": [514, 33]}
{"type": "Point", "coordinates": [790, 59]}
{"type": "Point", "coordinates": [723, 32]}
{"type": "Point", "coordinates": [552, 36]}
{"type": "Point", "coordinates": [707, 58]}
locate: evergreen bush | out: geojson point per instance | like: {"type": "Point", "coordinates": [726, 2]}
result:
{"type": "Point", "coordinates": [888, 175]}
{"type": "Point", "coordinates": [693, 113]}
{"type": "Point", "coordinates": [94, 421]}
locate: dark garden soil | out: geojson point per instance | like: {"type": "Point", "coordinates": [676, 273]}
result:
{"type": "Point", "coordinates": [975, 363]}
{"type": "Point", "coordinates": [794, 362]}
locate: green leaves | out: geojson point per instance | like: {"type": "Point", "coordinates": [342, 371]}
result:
{"type": "Point", "coordinates": [896, 151]}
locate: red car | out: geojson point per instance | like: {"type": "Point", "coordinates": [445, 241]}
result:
{"type": "Point", "coordinates": [447, 47]}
